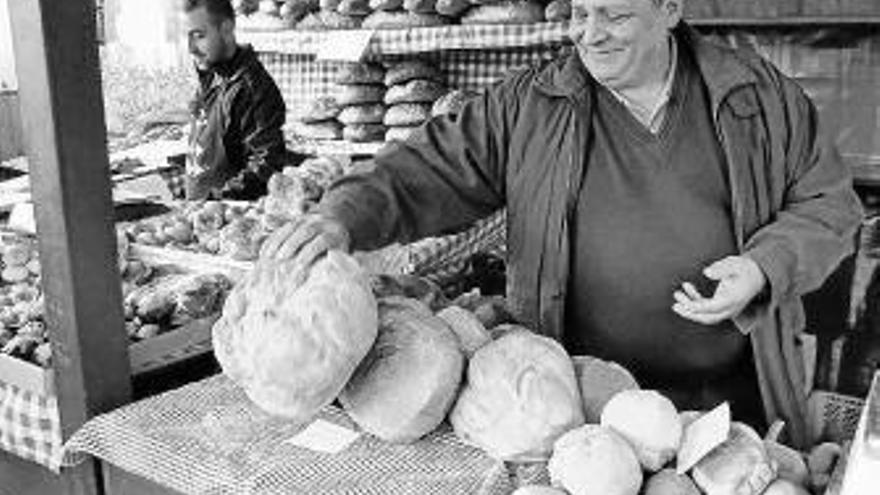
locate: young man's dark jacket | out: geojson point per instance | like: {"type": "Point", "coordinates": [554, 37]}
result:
{"type": "Point", "coordinates": [521, 145]}
{"type": "Point", "coordinates": [237, 141]}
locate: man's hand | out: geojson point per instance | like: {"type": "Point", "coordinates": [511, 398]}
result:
{"type": "Point", "coordinates": [306, 239]}
{"type": "Point", "coordinates": [739, 278]}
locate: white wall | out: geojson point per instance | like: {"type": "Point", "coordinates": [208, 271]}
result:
{"type": "Point", "coordinates": [7, 58]}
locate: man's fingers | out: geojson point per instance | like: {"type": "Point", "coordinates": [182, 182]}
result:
{"type": "Point", "coordinates": [276, 239]}
{"type": "Point", "coordinates": [680, 297]}
{"type": "Point", "coordinates": [314, 249]}
{"type": "Point", "coordinates": [722, 268]}
{"type": "Point", "coordinates": [692, 291]}
{"type": "Point", "coordinates": [295, 241]}
{"type": "Point", "coordinates": [703, 318]}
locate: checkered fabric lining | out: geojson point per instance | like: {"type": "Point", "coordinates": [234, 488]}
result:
{"type": "Point", "coordinates": [208, 437]}
{"type": "Point", "coordinates": [29, 426]}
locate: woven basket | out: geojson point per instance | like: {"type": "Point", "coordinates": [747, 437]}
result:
{"type": "Point", "coordinates": [833, 417]}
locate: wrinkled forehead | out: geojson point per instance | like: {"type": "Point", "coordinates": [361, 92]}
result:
{"type": "Point", "coordinates": [610, 4]}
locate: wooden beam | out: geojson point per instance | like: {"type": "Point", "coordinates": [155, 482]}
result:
{"type": "Point", "coordinates": [65, 139]}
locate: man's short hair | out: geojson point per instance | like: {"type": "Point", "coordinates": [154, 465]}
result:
{"type": "Point", "coordinates": [219, 10]}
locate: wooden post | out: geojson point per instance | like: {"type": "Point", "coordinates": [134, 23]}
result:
{"type": "Point", "coordinates": [65, 139]}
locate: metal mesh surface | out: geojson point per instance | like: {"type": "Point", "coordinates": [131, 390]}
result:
{"type": "Point", "coordinates": [207, 438]}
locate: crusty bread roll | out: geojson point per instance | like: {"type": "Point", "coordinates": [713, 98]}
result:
{"type": "Point", "coordinates": [408, 70]}
{"type": "Point", "coordinates": [381, 19]}
{"type": "Point", "coordinates": [354, 7]}
{"type": "Point", "coordinates": [360, 73]}
{"type": "Point", "coordinates": [415, 91]}
{"type": "Point", "coordinates": [401, 133]}
{"type": "Point", "coordinates": [328, 5]}
{"type": "Point", "coordinates": [407, 114]}
{"type": "Point", "coordinates": [324, 20]}
{"type": "Point", "coordinates": [386, 4]}
{"type": "Point", "coordinates": [452, 8]}
{"type": "Point", "coordinates": [359, 94]}
{"type": "Point", "coordinates": [507, 12]}
{"type": "Point", "coordinates": [420, 6]}
{"type": "Point", "coordinates": [372, 113]}
{"type": "Point", "coordinates": [558, 10]}
{"type": "Point", "coordinates": [322, 108]}
{"type": "Point", "coordinates": [451, 102]}
{"type": "Point", "coordinates": [363, 133]}
{"type": "Point", "coordinates": [328, 129]}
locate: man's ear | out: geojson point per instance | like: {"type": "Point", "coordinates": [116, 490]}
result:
{"type": "Point", "coordinates": [672, 12]}
{"type": "Point", "coordinates": [227, 27]}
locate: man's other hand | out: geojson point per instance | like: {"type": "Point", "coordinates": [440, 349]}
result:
{"type": "Point", "coordinates": [740, 280]}
{"type": "Point", "coordinates": [306, 239]}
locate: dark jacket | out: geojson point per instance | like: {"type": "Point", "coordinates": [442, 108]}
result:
{"type": "Point", "coordinates": [236, 141]}
{"type": "Point", "coordinates": [521, 145]}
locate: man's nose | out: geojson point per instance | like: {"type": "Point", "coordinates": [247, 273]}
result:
{"type": "Point", "coordinates": [191, 44]}
{"type": "Point", "coordinates": [593, 31]}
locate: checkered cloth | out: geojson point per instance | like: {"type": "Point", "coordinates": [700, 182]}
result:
{"type": "Point", "coordinates": [30, 426]}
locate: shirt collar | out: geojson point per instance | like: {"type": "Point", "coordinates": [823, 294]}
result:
{"type": "Point", "coordinates": [652, 117]}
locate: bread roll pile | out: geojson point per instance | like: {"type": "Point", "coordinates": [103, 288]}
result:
{"type": "Point", "coordinates": [413, 87]}
{"type": "Point", "coordinates": [360, 93]}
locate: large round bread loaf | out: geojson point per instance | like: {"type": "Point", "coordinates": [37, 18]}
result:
{"type": "Point", "coordinates": [558, 10]}
{"type": "Point", "coordinates": [322, 108]}
{"type": "Point", "coordinates": [363, 133]}
{"type": "Point", "coordinates": [420, 6]}
{"type": "Point", "coordinates": [599, 381]}
{"type": "Point", "coordinates": [452, 8]}
{"type": "Point", "coordinates": [362, 114]}
{"type": "Point", "coordinates": [325, 19]}
{"type": "Point", "coordinates": [452, 102]}
{"type": "Point", "coordinates": [324, 130]}
{"type": "Point", "coordinates": [359, 94]}
{"type": "Point", "coordinates": [386, 4]}
{"type": "Point", "coordinates": [382, 19]}
{"type": "Point", "coordinates": [401, 133]}
{"type": "Point", "coordinates": [360, 73]}
{"type": "Point", "coordinates": [415, 91]}
{"type": "Point", "coordinates": [407, 114]}
{"type": "Point", "coordinates": [406, 384]}
{"type": "Point", "coordinates": [508, 12]}
{"type": "Point", "coordinates": [354, 7]}
{"type": "Point", "coordinates": [408, 70]}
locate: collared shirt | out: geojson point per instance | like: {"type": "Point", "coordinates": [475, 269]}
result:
{"type": "Point", "coordinates": [653, 117]}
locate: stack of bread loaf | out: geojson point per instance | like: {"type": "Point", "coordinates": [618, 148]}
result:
{"type": "Point", "coordinates": [334, 14]}
{"type": "Point", "coordinates": [360, 91]}
{"type": "Point", "coordinates": [413, 87]}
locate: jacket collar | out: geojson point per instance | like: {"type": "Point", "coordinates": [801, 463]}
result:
{"type": "Point", "coordinates": [722, 70]}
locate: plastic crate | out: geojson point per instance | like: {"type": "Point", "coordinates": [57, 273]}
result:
{"type": "Point", "coordinates": [832, 416]}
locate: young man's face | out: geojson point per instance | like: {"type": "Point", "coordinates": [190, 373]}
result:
{"type": "Point", "coordinates": [209, 38]}
{"type": "Point", "coordinates": [619, 40]}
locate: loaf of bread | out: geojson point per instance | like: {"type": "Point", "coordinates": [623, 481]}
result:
{"type": "Point", "coordinates": [408, 70]}
{"type": "Point", "coordinates": [420, 6]}
{"type": "Point", "coordinates": [363, 133]}
{"type": "Point", "coordinates": [358, 94]}
{"type": "Point", "coordinates": [372, 113]}
{"type": "Point", "coordinates": [507, 12]}
{"type": "Point", "coordinates": [558, 10]}
{"type": "Point", "coordinates": [325, 19]}
{"type": "Point", "coordinates": [354, 7]}
{"type": "Point", "coordinates": [328, 129]}
{"type": "Point", "coordinates": [321, 108]}
{"type": "Point", "coordinates": [407, 114]}
{"type": "Point", "coordinates": [401, 133]}
{"type": "Point", "coordinates": [415, 91]}
{"type": "Point", "coordinates": [382, 19]}
{"type": "Point", "coordinates": [452, 8]}
{"type": "Point", "coordinates": [360, 73]}
{"type": "Point", "coordinates": [451, 102]}
{"type": "Point", "coordinates": [386, 4]}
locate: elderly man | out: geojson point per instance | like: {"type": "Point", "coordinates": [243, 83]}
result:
{"type": "Point", "coordinates": [236, 140]}
{"type": "Point", "coordinates": [668, 202]}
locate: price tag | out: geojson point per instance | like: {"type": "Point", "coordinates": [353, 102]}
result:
{"type": "Point", "coordinates": [702, 436]}
{"type": "Point", "coordinates": [345, 44]}
{"type": "Point", "coordinates": [323, 436]}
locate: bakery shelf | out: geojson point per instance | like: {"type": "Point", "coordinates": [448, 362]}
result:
{"type": "Point", "coordinates": [414, 40]}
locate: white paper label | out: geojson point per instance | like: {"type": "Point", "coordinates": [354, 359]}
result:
{"type": "Point", "coordinates": [344, 44]}
{"type": "Point", "coordinates": [323, 436]}
{"type": "Point", "coordinates": [702, 436]}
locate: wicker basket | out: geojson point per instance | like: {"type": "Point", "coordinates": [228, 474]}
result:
{"type": "Point", "coordinates": [833, 417]}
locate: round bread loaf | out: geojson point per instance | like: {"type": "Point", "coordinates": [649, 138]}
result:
{"type": "Point", "coordinates": [407, 114]}
{"type": "Point", "coordinates": [328, 5]}
{"type": "Point", "coordinates": [372, 113]}
{"type": "Point", "coordinates": [328, 129]}
{"type": "Point", "coordinates": [420, 6]}
{"type": "Point", "coordinates": [363, 133]}
{"type": "Point", "coordinates": [415, 91]}
{"type": "Point", "coordinates": [322, 108]}
{"type": "Point", "coordinates": [508, 12]}
{"type": "Point", "coordinates": [451, 102]}
{"type": "Point", "coordinates": [401, 133]}
{"type": "Point", "coordinates": [324, 20]}
{"type": "Point", "coordinates": [386, 4]}
{"type": "Point", "coordinates": [558, 10]}
{"type": "Point", "coordinates": [408, 70]}
{"type": "Point", "coordinates": [452, 8]}
{"type": "Point", "coordinates": [382, 19]}
{"type": "Point", "coordinates": [360, 73]}
{"type": "Point", "coordinates": [359, 94]}
{"type": "Point", "coordinates": [354, 7]}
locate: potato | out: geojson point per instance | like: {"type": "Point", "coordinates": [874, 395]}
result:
{"type": "Point", "coordinates": [15, 274]}
{"type": "Point", "coordinates": [16, 255]}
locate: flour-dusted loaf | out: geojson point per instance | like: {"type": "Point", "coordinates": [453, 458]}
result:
{"type": "Point", "coordinates": [382, 19]}
{"type": "Point", "coordinates": [371, 113]}
{"type": "Point", "coordinates": [415, 91]}
{"type": "Point", "coordinates": [363, 133]}
{"type": "Point", "coordinates": [359, 94]}
{"type": "Point", "coordinates": [452, 102]}
{"type": "Point", "coordinates": [452, 8]}
{"type": "Point", "coordinates": [408, 70]}
{"type": "Point", "coordinates": [322, 108]}
{"type": "Point", "coordinates": [324, 130]}
{"type": "Point", "coordinates": [406, 384]}
{"type": "Point", "coordinates": [386, 4]}
{"type": "Point", "coordinates": [558, 10]}
{"type": "Point", "coordinates": [407, 114]}
{"type": "Point", "coordinates": [360, 73]}
{"type": "Point", "coordinates": [507, 12]}
{"type": "Point", "coordinates": [401, 133]}
{"type": "Point", "coordinates": [355, 8]}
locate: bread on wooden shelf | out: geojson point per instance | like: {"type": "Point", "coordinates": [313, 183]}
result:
{"type": "Point", "coordinates": [372, 113]}
{"type": "Point", "coordinates": [407, 114]}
